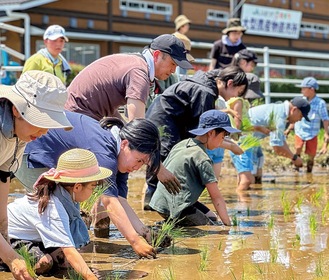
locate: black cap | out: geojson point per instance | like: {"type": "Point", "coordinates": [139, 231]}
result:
{"type": "Point", "coordinates": [303, 105]}
{"type": "Point", "coordinates": [174, 47]}
{"type": "Point", "coordinates": [247, 55]}
{"type": "Point", "coordinates": [253, 91]}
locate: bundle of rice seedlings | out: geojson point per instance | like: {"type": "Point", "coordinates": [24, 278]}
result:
{"type": "Point", "coordinates": [271, 122]}
{"type": "Point", "coordinates": [249, 141]}
{"type": "Point", "coordinates": [88, 204]}
{"type": "Point", "coordinates": [168, 230]}
{"type": "Point", "coordinates": [246, 124]}
{"type": "Point", "coordinates": [29, 259]}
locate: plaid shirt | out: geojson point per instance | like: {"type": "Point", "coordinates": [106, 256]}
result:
{"type": "Point", "coordinates": [308, 130]}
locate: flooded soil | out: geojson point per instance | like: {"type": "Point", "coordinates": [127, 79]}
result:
{"type": "Point", "coordinates": [280, 232]}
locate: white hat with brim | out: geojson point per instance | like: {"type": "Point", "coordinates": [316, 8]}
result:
{"type": "Point", "coordinates": [39, 97]}
{"type": "Point", "coordinates": [77, 166]}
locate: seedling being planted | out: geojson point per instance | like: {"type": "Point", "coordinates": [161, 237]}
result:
{"type": "Point", "coordinates": [204, 258]}
{"type": "Point", "coordinates": [29, 259]}
{"type": "Point", "coordinates": [249, 142]}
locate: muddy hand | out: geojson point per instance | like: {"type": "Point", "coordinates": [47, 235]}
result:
{"type": "Point", "coordinates": [19, 270]}
{"type": "Point", "coordinates": [144, 250]}
{"type": "Point", "coordinates": [169, 180]}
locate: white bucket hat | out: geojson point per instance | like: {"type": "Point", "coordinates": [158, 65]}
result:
{"type": "Point", "coordinates": [39, 97]}
{"type": "Point", "coordinates": [54, 32]}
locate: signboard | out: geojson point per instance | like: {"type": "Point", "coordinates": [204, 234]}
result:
{"type": "Point", "coordinates": [272, 22]}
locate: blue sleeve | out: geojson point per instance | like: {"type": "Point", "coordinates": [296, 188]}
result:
{"type": "Point", "coordinates": [216, 155]}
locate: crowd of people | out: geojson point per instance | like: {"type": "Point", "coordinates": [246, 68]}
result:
{"type": "Point", "coordinates": [63, 143]}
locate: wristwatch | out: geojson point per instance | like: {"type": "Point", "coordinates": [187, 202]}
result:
{"type": "Point", "coordinates": [295, 156]}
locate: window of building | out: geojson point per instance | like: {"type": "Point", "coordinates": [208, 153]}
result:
{"type": "Point", "coordinates": [79, 53]}
{"type": "Point", "coordinates": [217, 16]}
{"type": "Point", "coordinates": [73, 22]}
{"type": "Point", "coordinates": [314, 28]}
{"type": "Point", "coordinates": [145, 7]}
{"type": "Point", "coordinates": [312, 62]}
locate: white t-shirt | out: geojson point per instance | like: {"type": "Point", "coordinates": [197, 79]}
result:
{"type": "Point", "coordinates": [7, 149]}
{"type": "Point", "coordinates": [51, 227]}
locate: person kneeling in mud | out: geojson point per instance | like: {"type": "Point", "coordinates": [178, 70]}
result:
{"type": "Point", "coordinates": [190, 163]}
{"type": "Point", "coordinates": [48, 222]}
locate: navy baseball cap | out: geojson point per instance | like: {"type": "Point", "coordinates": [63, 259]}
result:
{"type": "Point", "coordinates": [213, 119]}
{"type": "Point", "coordinates": [174, 47]}
{"type": "Point", "coordinates": [309, 82]}
{"type": "Point", "coordinates": [303, 105]}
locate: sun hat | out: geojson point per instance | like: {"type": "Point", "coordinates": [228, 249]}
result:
{"type": "Point", "coordinates": [180, 21]}
{"type": "Point", "coordinates": [187, 43]}
{"type": "Point", "coordinates": [233, 24]}
{"type": "Point", "coordinates": [77, 166]}
{"type": "Point", "coordinates": [39, 97]}
{"type": "Point", "coordinates": [309, 82]}
{"type": "Point", "coordinates": [54, 32]}
{"type": "Point", "coordinates": [303, 105]}
{"type": "Point", "coordinates": [247, 55]}
{"type": "Point", "coordinates": [213, 119]}
{"type": "Point", "coordinates": [174, 47]}
{"type": "Point", "coordinates": [253, 91]}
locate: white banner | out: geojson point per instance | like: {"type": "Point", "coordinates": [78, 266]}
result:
{"type": "Point", "coordinates": [272, 22]}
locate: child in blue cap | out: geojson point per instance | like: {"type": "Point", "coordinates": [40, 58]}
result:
{"type": "Point", "coordinates": [189, 162]}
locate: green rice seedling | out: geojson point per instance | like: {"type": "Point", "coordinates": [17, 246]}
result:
{"type": "Point", "coordinates": [73, 275]}
{"type": "Point", "coordinates": [204, 258]}
{"type": "Point", "coordinates": [235, 221]}
{"type": "Point", "coordinates": [317, 196]}
{"type": "Point", "coordinates": [313, 224]}
{"type": "Point", "coordinates": [272, 121]}
{"type": "Point", "coordinates": [271, 222]}
{"type": "Point", "coordinates": [168, 228]}
{"type": "Point", "coordinates": [259, 269]}
{"type": "Point", "coordinates": [299, 202]}
{"type": "Point", "coordinates": [220, 245]}
{"type": "Point", "coordinates": [249, 141]}
{"type": "Point", "coordinates": [325, 213]}
{"type": "Point", "coordinates": [29, 259]}
{"type": "Point", "coordinates": [274, 255]}
{"type": "Point", "coordinates": [168, 274]}
{"type": "Point", "coordinates": [286, 205]}
{"type": "Point", "coordinates": [88, 204]}
{"type": "Point", "coordinates": [319, 267]}
{"type": "Point", "coordinates": [246, 124]}
{"type": "Point", "coordinates": [296, 242]}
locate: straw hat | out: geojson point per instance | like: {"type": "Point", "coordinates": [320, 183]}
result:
{"type": "Point", "coordinates": [187, 44]}
{"type": "Point", "coordinates": [78, 166]}
{"type": "Point", "coordinates": [39, 97]}
{"type": "Point", "coordinates": [234, 24]}
{"type": "Point", "coordinates": [180, 21]}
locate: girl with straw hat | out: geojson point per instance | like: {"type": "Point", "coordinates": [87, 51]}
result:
{"type": "Point", "coordinates": [27, 110]}
{"type": "Point", "coordinates": [48, 222]}
{"type": "Point", "coordinates": [121, 148]}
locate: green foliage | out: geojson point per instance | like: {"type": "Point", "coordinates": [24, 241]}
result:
{"type": "Point", "coordinates": [313, 224]}
{"type": "Point", "coordinates": [271, 222]}
{"type": "Point", "coordinates": [73, 275]}
{"type": "Point", "coordinates": [75, 69]}
{"type": "Point", "coordinates": [168, 229]}
{"type": "Point", "coordinates": [162, 132]}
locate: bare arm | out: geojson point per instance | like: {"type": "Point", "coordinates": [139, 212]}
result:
{"type": "Point", "coordinates": [286, 152]}
{"type": "Point", "coordinates": [78, 263]}
{"type": "Point", "coordinates": [219, 202]}
{"type": "Point", "coordinates": [169, 180]}
{"type": "Point", "coordinates": [15, 262]}
{"type": "Point", "coordinates": [230, 145]}
{"type": "Point", "coordinates": [237, 107]}
{"type": "Point", "coordinates": [135, 109]}
{"type": "Point", "coordinates": [122, 218]}
{"type": "Point", "coordinates": [212, 64]}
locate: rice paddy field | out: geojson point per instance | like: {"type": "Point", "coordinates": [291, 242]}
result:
{"type": "Point", "coordinates": [280, 231]}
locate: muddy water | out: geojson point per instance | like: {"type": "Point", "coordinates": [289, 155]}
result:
{"type": "Point", "coordinates": [280, 232]}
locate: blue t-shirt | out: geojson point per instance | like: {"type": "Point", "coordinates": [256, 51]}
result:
{"type": "Point", "coordinates": [260, 116]}
{"type": "Point", "coordinates": [86, 134]}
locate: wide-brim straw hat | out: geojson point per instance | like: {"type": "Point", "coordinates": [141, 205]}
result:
{"type": "Point", "coordinates": [187, 44]}
{"type": "Point", "coordinates": [78, 166]}
{"type": "Point", "coordinates": [234, 24]}
{"type": "Point", "coordinates": [39, 97]}
{"type": "Point", "coordinates": [180, 21]}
